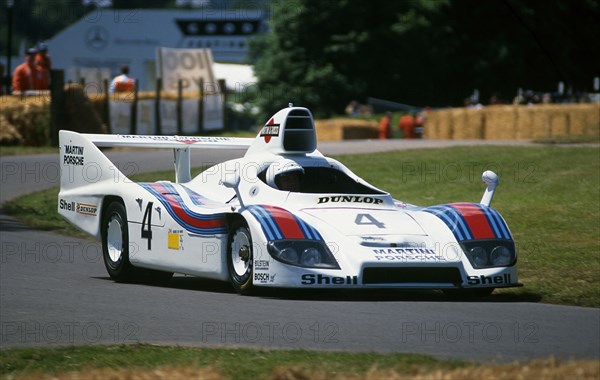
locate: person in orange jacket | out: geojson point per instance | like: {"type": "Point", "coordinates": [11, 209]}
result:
{"type": "Point", "coordinates": [385, 126]}
{"type": "Point", "coordinates": [44, 63]}
{"type": "Point", "coordinates": [28, 76]}
{"type": "Point", "coordinates": [123, 82]}
{"type": "Point", "coordinates": [406, 125]}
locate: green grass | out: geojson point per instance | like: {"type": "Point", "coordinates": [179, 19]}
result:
{"type": "Point", "coordinates": [23, 150]}
{"type": "Point", "coordinates": [549, 196]}
{"type": "Point", "coordinates": [231, 363]}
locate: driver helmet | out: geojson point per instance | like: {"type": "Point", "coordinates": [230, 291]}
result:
{"type": "Point", "coordinates": [279, 167]}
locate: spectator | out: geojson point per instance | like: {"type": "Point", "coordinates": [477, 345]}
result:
{"type": "Point", "coordinates": [123, 82]}
{"type": "Point", "coordinates": [406, 125]}
{"type": "Point", "coordinates": [27, 76]}
{"type": "Point", "coordinates": [385, 126]}
{"type": "Point", "coordinates": [353, 109]}
{"type": "Point", "coordinates": [42, 59]}
{"type": "Point", "coordinates": [44, 64]}
{"type": "Point", "coordinates": [419, 124]}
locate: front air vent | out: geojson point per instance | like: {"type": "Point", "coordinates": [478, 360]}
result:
{"type": "Point", "coordinates": [412, 275]}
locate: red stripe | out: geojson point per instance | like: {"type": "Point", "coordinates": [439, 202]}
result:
{"type": "Point", "coordinates": [286, 222]}
{"type": "Point", "coordinates": [180, 212]}
{"type": "Point", "coordinates": [476, 220]}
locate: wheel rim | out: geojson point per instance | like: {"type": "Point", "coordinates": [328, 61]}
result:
{"type": "Point", "coordinates": [114, 239]}
{"type": "Point", "coordinates": [240, 253]}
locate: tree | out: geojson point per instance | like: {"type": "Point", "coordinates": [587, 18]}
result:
{"type": "Point", "coordinates": [322, 54]}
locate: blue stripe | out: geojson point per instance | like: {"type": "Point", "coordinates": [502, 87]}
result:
{"type": "Point", "coordinates": [502, 225]}
{"type": "Point", "coordinates": [197, 230]}
{"type": "Point", "coordinates": [268, 227]}
{"type": "Point", "coordinates": [308, 230]}
{"type": "Point", "coordinates": [444, 218]}
{"type": "Point", "coordinates": [453, 220]}
{"type": "Point", "coordinates": [491, 221]}
{"type": "Point", "coordinates": [271, 222]}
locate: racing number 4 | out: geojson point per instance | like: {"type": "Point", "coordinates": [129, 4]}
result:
{"type": "Point", "coordinates": [360, 219]}
{"type": "Point", "coordinates": [147, 232]}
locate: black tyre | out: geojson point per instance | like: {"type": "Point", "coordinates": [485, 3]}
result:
{"type": "Point", "coordinates": [115, 243]}
{"type": "Point", "coordinates": [240, 257]}
{"type": "Point", "coordinates": [468, 293]}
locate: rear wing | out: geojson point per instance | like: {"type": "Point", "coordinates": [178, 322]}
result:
{"type": "Point", "coordinates": [72, 143]}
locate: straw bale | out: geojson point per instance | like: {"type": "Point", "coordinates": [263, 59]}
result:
{"type": "Point", "coordinates": [593, 119]}
{"type": "Point", "coordinates": [540, 123]}
{"type": "Point", "coordinates": [9, 135]}
{"type": "Point", "coordinates": [559, 122]}
{"type": "Point", "coordinates": [458, 120]}
{"type": "Point", "coordinates": [523, 122]}
{"type": "Point", "coordinates": [577, 121]}
{"type": "Point", "coordinates": [346, 129]}
{"type": "Point", "coordinates": [500, 123]}
{"type": "Point", "coordinates": [27, 120]}
{"type": "Point", "coordinates": [431, 126]}
{"type": "Point", "coordinates": [475, 125]}
{"type": "Point", "coordinates": [446, 127]}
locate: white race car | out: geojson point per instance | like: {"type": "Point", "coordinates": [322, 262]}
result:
{"type": "Point", "coordinates": [283, 215]}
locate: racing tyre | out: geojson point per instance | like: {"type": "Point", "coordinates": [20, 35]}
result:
{"type": "Point", "coordinates": [240, 257]}
{"type": "Point", "coordinates": [115, 243]}
{"type": "Point", "coordinates": [468, 293]}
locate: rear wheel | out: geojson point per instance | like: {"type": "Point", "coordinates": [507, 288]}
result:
{"type": "Point", "coordinates": [115, 243]}
{"type": "Point", "coordinates": [239, 257]}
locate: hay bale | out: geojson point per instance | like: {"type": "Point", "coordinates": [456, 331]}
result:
{"type": "Point", "coordinates": [346, 129]}
{"type": "Point", "coordinates": [27, 120]}
{"type": "Point", "coordinates": [431, 126]}
{"type": "Point", "coordinates": [524, 122]}
{"type": "Point", "coordinates": [9, 135]}
{"type": "Point", "coordinates": [475, 124]}
{"type": "Point", "coordinates": [458, 120]}
{"type": "Point", "coordinates": [445, 125]}
{"type": "Point", "coordinates": [559, 121]}
{"type": "Point", "coordinates": [592, 120]}
{"type": "Point", "coordinates": [500, 123]}
{"type": "Point", "coordinates": [577, 120]}
{"type": "Point", "coordinates": [540, 123]}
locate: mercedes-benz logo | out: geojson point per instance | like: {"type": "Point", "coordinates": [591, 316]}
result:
{"type": "Point", "coordinates": [96, 38]}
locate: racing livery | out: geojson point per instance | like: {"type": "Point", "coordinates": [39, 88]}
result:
{"type": "Point", "coordinates": [235, 222]}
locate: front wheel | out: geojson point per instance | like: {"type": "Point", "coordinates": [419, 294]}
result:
{"type": "Point", "coordinates": [240, 257]}
{"type": "Point", "coordinates": [115, 243]}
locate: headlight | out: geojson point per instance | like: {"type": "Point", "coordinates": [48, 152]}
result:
{"type": "Point", "coordinates": [501, 256]}
{"type": "Point", "coordinates": [490, 253]}
{"type": "Point", "coordinates": [302, 253]}
{"type": "Point", "coordinates": [479, 257]}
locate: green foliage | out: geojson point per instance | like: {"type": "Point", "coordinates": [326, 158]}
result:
{"type": "Point", "coordinates": [425, 52]}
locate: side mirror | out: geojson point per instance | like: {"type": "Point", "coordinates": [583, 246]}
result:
{"type": "Point", "coordinates": [491, 180]}
{"type": "Point", "coordinates": [231, 180]}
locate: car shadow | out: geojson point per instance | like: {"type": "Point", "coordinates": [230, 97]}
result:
{"type": "Point", "coordinates": [336, 295]}
{"type": "Point", "coordinates": [391, 295]}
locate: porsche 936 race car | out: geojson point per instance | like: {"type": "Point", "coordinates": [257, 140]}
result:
{"type": "Point", "coordinates": [237, 222]}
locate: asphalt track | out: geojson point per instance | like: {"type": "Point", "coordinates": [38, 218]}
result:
{"type": "Point", "coordinates": [54, 291]}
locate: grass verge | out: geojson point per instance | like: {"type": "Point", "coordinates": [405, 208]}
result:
{"type": "Point", "coordinates": [157, 362]}
{"type": "Point", "coordinates": [549, 196]}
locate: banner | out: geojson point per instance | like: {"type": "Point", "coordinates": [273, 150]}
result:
{"type": "Point", "coordinates": [191, 66]}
